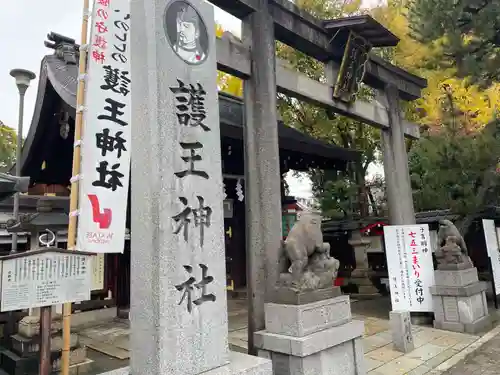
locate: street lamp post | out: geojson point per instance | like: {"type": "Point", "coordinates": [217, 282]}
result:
{"type": "Point", "coordinates": [23, 78]}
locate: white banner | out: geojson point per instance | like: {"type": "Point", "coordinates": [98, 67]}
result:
{"type": "Point", "coordinates": [105, 166]}
{"type": "Point", "coordinates": [490, 236]}
{"type": "Point", "coordinates": [411, 270]}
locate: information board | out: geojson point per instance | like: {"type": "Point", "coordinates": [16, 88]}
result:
{"type": "Point", "coordinates": [98, 272]}
{"type": "Point", "coordinates": [45, 279]}
{"type": "Point", "coordinates": [411, 270]}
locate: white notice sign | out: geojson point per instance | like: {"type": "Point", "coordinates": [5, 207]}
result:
{"type": "Point", "coordinates": [45, 279]}
{"type": "Point", "coordinates": [490, 236]}
{"type": "Point", "coordinates": [411, 270]}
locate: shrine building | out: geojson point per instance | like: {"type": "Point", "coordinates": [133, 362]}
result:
{"type": "Point", "coordinates": [48, 152]}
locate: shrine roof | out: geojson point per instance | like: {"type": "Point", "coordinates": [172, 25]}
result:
{"type": "Point", "coordinates": [9, 185]}
{"type": "Point", "coordinates": [425, 217]}
{"type": "Point", "coordinates": [39, 221]}
{"type": "Point", "coordinates": [57, 93]}
{"type": "Point", "coordinates": [364, 26]}
{"type": "Point", "coordinates": [28, 203]}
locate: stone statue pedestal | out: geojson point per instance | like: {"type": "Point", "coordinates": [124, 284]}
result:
{"type": "Point", "coordinates": [317, 337]}
{"type": "Point", "coordinates": [24, 358]}
{"type": "Point", "coordinates": [239, 364]}
{"type": "Point", "coordinates": [459, 301]}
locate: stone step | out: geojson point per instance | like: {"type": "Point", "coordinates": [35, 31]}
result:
{"type": "Point", "coordinates": [25, 346]}
{"type": "Point", "coordinates": [13, 364]}
{"type": "Point", "coordinates": [123, 313]}
{"type": "Point", "coordinates": [80, 368]}
{"type": "Point", "coordinates": [240, 293]}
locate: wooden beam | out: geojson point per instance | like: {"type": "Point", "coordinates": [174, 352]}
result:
{"type": "Point", "coordinates": [305, 33]}
{"type": "Point", "coordinates": [234, 58]}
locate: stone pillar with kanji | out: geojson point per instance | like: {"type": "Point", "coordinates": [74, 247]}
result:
{"type": "Point", "coordinates": [178, 312]}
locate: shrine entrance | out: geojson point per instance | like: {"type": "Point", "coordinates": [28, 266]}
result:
{"type": "Point", "coordinates": [274, 148]}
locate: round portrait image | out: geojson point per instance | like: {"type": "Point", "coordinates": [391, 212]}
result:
{"type": "Point", "coordinates": [186, 32]}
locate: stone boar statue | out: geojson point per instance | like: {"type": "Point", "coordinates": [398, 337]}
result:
{"type": "Point", "coordinates": [304, 244]}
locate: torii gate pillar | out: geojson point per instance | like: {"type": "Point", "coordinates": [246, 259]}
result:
{"type": "Point", "coordinates": [262, 167]}
{"type": "Point", "coordinates": [397, 176]}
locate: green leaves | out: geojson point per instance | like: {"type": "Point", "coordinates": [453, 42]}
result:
{"type": "Point", "coordinates": [8, 141]}
{"type": "Point", "coordinates": [455, 170]}
{"type": "Point", "coordinates": [467, 33]}
{"type": "Point", "coordinates": [344, 194]}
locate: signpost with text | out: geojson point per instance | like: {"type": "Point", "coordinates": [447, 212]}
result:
{"type": "Point", "coordinates": [411, 269]}
{"type": "Point", "coordinates": [178, 276]}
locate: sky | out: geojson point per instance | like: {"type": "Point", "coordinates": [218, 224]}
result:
{"type": "Point", "coordinates": [24, 25]}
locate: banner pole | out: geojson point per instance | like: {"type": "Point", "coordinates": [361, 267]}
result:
{"type": "Point", "coordinates": [73, 210]}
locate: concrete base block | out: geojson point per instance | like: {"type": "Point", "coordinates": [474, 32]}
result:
{"type": "Point", "coordinates": [307, 345]}
{"type": "Point", "coordinates": [240, 364]}
{"type": "Point", "coordinates": [459, 291]}
{"type": "Point", "coordinates": [314, 354]}
{"type": "Point", "coordinates": [302, 320]}
{"type": "Point", "coordinates": [402, 337]}
{"type": "Point", "coordinates": [29, 326]}
{"type": "Point", "coordinates": [461, 308]}
{"type": "Point", "coordinates": [24, 346]}
{"type": "Point", "coordinates": [456, 278]}
{"type": "Point", "coordinates": [338, 360]}
{"type": "Point", "coordinates": [480, 325]}
{"type": "Point", "coordinates": [288, 296]}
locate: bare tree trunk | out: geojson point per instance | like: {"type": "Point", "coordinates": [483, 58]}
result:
{"type": "Point", "coordinates": [362, 190]}
{"type": "Point", "coordinates": [372, 201]}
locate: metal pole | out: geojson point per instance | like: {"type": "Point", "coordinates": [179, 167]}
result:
{"type": "Point", "coordinates": [22, 91]}
{"type": "Point", "coordinates": [45, 322]}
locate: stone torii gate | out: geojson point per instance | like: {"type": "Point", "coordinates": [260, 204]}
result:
{"type": "Point", "coordinates": [254, 60]}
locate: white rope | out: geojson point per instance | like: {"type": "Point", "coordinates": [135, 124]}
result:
{"type": "Point", "coordinates": [78, 177]}
{"type": "Point", "coordinates": [74, 213]}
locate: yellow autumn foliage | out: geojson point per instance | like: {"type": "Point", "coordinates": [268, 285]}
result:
{"type": "Point", "coordinates": [408, 54]}
{"type": "Point", "coordinates": [473, 107]}
{"type": "Point", "coordinates": [225, 82]}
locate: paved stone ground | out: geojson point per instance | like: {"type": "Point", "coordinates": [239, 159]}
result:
{"type": "Point", "coordinates": [433, 348]}
{"type": "Point", "coordinates": [484, 361]}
